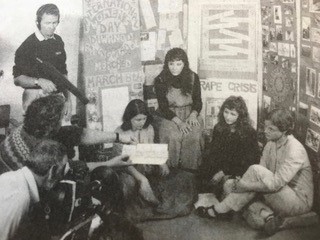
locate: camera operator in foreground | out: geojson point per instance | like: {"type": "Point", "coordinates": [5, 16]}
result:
{"type": "Point", "coordinates": [22, 189]}
{"type": "Point", "coordinates": [43, 121]}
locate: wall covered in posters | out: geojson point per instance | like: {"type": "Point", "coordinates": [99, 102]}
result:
{"type": "Point", "coordinates": [110, 53]}
{"type": "Point", "coordinates": [279, 42]}
{"type": "Point", "coordinates": [163, 26]}
{"type": "Point", "coordinates": [309, 92]}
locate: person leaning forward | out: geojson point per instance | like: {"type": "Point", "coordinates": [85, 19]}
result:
{"type": "Point", "coordinates": [43, 121]}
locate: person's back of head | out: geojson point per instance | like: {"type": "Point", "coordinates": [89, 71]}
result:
{"type": "Point", "coordinates": [282, 119]}
{"type": "Point", "coordinates": [45, 155]}
{"type": "Point", "coordinates": [43, 115]}
{"type": "Point", "coordinates": [108, 189]}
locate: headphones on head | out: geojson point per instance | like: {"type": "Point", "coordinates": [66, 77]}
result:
{"type": "Point", "coordinates": [49, 9]}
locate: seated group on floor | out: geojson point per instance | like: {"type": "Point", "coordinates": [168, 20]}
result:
{"type": "Point", "coordinates": [265, 186]}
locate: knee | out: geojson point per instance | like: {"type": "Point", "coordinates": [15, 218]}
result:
{"type": "Point", "coordinates": [255, 168]}
{"type": "Point", "coordinates": [170, 137]}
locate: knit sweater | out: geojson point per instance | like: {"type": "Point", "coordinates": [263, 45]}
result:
{"type": "Point", "coordinates": [16, 148]}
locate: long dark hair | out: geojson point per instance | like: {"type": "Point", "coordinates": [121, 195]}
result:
{"type": "Point", "coordinates": [177, 54]}
{"type": "Point", "coordinates": [243, 123]}
{"type": "Point", "coordinates": [43, 116]}
{"type": "Point", "coordinates": [134, 108]}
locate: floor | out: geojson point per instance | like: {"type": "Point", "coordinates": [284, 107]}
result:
{"type": "Point", "coordinates": [193, 227]}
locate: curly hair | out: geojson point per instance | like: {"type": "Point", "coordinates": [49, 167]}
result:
{"type": "Point", "coordinates": [177, 54]}
{"type": "Point", "coordinates": [243, 122]}
{"type": "Point", "coordinates": [134, 108]}
{"type": "Point", "coordinates": [282, 119]}
{"type": "Point", "coordinates": [43, 116]}
{"type": "Point", "coordinates": [44, 155]}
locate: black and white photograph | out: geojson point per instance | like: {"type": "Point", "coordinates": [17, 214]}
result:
{"type": "Point", "coordinates": [310, 82]}
{"type": "Point", "coordinates": [277, 14]}
{"type": "Point", "coordinates": [159, 119]}
{"type": "Point", "coordinates": [313, 139]}
{"type": "Point", "coordinates": [315, 115]}
{"type": "Point", "coordinates": [306, 28]}
{"type": "Point", "coordinates": [314, 6]}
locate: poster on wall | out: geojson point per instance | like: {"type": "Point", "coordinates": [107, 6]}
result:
{"type": "Point", "coordinates": [215, 91]}
{"type": "Point", "coordinates": [116, 100]}
{"type": "Point", "coordinates": [315, 115]}
{"type": "Point", "coordinates": [314, 6]}
{"type": "Point", "coordinates": [313, 139]}
{"type": "Point", "coordinates": [280, 85]}
{"type": "Point", "coordinates": [228, 36]}
{"type": "Point", "coordinates": [110, 48]}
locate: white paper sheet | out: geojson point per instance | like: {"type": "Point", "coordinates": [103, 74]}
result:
{"type": "Point", "coordinates": [153, 154]}
{"type": "Point", "coordinates": [175, 38]}
{"type": "Point", "coordinates": [169, 6]}
{"type": "Point", "coordinates": [148, 46]}
{"type": "Point", "coordinates": [169, 21]}
{"type": "Point", "coordinates": [161, 39]}
{"type": "Point", "coordinates": [206, 200]}
{"type": "Point", "coordinates": [114, 101]}
{"type": "Point", "coordinates": [147, 14]}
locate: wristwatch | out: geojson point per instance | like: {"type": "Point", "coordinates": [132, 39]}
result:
{"type": "Point", "coordinates": [36, 82]}
{"type": "Point", "coordinates": [117, 138]}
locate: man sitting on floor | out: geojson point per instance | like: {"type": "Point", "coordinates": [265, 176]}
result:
{"type": "Point", "coordinates": [283, 179]}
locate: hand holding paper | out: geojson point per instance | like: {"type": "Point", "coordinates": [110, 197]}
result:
{"type": "Point", "coordinates": [153, 154]}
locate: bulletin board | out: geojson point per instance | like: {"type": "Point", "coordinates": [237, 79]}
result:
{"type": "Point", "coordinates": [110, 55]}
{"type": "Point", "coordinates": [309, 102]}
{"type": "Point", "coordinates": [164, 25]}
{"type": "Point", "coordinates": [279, 42]}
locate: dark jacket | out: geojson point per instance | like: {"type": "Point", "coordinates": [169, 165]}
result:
{"type": "Point", "coordinates": [231, 152]}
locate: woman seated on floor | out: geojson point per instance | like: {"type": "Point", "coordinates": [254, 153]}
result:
{"type": "Point", "coordinates": [234, 145]}
{"type": "Point", "coordinates": [137, 125]}
{"type": "Point", "coordinates": [164, 194]}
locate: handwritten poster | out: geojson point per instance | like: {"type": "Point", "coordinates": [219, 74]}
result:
{"type": "Point", "coordinates": [110, 48]}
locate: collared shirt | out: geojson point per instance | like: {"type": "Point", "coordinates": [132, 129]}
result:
{"type": "Point", "coordinates": [19, 192]}
{"type": "Point", "coordinates": [41, 37]}
{"type": "Point", "coordinates": [35, 46]}
{"type": "Point", "coordinates": [291, 166]}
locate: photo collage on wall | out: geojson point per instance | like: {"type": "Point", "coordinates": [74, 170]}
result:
{"type": "Point", "coordinates": [163, 26]}
{"type": "Point", "coordinates": [279, 41]}
{"type": "Point", "coordinates": [310, 71]}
